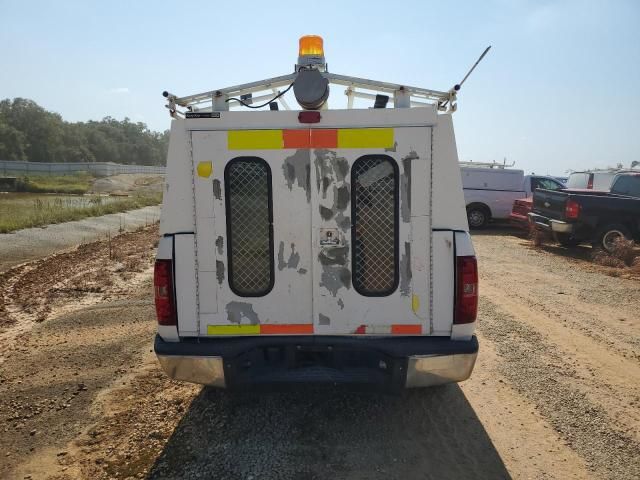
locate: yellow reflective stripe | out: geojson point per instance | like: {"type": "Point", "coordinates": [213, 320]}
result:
{"type": "Point", "coordinates": [254, 139]}
{"type": "Point", "coordinates": [233, 329]}
{"type": "Point", "coordinates": [365, 138]}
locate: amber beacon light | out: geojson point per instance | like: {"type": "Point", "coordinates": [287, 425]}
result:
{"type": "Point", "coordinates": [311, 45]}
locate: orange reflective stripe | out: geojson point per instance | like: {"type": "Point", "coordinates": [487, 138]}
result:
{"type": "Point", "coordinates": [324, 138]}
{"type": "Point", "coordinates": [296, 329]}
{"type": "Point", "coordinates": [296, 138]}
{"type": "Point", "coordinates": [406, 329]}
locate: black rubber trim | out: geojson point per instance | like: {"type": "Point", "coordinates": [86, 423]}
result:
{"type": "Point", "coordinates": [227, 196]}
{"type": "Point", "coordinates": [396, 228]}
{"type": "Point", "coordinates": [398, 347]}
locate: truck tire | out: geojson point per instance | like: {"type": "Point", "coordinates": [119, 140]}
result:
{"type": "Point", "coordinates": [566, 240]}
{"type": "Point", "coordinates": [606, 236]}
{"type": "Point", "coordinates": [478, 216]}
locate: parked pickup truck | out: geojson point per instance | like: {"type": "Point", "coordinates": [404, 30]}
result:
{"type": "Point", "coordinates": [591, 216]}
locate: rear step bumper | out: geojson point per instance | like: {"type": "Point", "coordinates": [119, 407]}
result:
{"type": "Point", "coordinates": [550, 224]}
{"type": "Point", "coordinates": [378, 363]}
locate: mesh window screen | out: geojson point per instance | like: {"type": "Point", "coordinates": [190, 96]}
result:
{"type": "Point", "coordinates": [249, 229]}
{"type": "Point", "coordinates": [375, 185]}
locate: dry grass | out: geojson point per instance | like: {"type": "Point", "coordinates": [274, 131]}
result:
{"type": "Point", "coordinates": [17, 213]}
{"type": "Point", "coordinates": [77, 184]}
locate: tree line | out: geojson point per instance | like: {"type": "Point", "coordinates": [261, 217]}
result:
{"type": "Point", "coordinates": [30, 132]}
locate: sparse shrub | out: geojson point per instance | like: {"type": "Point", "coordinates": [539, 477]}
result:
{"type": "Point", "coordinates": [624, 249]}
{"type": "Point", "coordinates": [623, 255]}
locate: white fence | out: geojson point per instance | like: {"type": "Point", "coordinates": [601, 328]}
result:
{"type": "Point", "coordinates": [99, 169]}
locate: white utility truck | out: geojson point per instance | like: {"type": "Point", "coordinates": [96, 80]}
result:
{"type": "Point", "coordinates": [315, 245]}
{"type": "Point", "coordinates": [490, 190]}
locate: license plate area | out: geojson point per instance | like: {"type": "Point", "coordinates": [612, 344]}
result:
{"type": "Point", "coordinates": [277, 366]}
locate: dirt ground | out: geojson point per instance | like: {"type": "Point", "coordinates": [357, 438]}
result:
{"type": "Point", "coordinates": [555, 392]}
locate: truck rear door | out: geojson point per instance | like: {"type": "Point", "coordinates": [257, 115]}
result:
{"type": "Point", "coordinates": [371, 231]}
{"type": "Point", "coordinates": [313, 230]}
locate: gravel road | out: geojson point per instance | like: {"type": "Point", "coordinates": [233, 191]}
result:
{"type": "Point", "coordinates": [555, 393]}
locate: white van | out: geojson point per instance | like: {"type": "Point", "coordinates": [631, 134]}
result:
{"type": "Point", "coordinates": [489, 191]}
{"type": "Point", "coordinates": [315, 245]}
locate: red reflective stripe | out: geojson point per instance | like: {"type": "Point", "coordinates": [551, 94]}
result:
{"type": "Point", "coordinates": [406, 329]}
{"type": "Point", "coordinates": [298, 329]}
{"type": "Point", "coordinates": [324, 138]}
{"type": "Point", "coordinates": [296, 138]}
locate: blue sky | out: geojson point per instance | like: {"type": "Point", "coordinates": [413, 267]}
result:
{"type": "Point", "coordinates": [559, 89]}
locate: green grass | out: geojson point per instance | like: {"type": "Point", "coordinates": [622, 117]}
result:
{"type": "Point", "coordinates": [75, 184]}
{"type": "Point", "coordinates": [24, 210]}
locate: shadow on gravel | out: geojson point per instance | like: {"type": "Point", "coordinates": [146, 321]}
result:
{"type": "Point", "coordinates": [322, 433]}
{"type": "Point", "coordinates": [499, 230]}
{"type": "Point", "coordinates": [581, 252]}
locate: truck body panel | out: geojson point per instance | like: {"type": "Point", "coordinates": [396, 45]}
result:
{"type": "Point", "coordinates": [315, 246]}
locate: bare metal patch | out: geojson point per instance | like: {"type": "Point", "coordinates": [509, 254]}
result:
{"type": "Point", "coordinates": [294, 257]}
{"type": "Point", "coordinates": [326, 213]}
{"type": "Point", "coordinates": [220, 244]}
{"type": "Point", "coordinates": [392, 149]}
{"type": "Point", "coordinates": [344, 223]}
{"type": "Point", "coordinates": [341, 304]}
{"type": "Point", "coordinates": [340, 167]}
{"type": "Point", "coordinates": [334, 255]}
{"type": "Point", "coordinates": [220, 271]}
{"type": "Point", "coordinates": [302, 271]}
{"type": "Point", "coordinates": [281, 263]}
{"type": "Point", "coordinates": [341, 197]}
{"type": "Point", "coordinates": [326, 181]}
{"type": "Point", "coordinates": [217, 190]}
{"type": "Point", "coordinates": [323, 166]}
{"type": "Point", "coordinates": [297, 169]}
{"type": "Point", "coordinates": [405, 271]}
{"type": "Point", "coordinates": [236, 311]}
{"type": "Point", "coordinates": [334, 278]}
{"type": "Point", "coordinates": [323, 319]}
{"type": "Point", "coordinates": [405, 190]}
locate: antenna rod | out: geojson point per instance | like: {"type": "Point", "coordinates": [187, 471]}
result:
{"type": "Point", "coordinates": [459, 85]}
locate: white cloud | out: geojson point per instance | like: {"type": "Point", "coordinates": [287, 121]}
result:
{"type": "Point", "coordinates": [119, 90]}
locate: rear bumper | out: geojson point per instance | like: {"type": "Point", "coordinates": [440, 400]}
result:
{"type": "Point", "coordinates": [378, 363]}
{"type": "Point", "coordinates": [549, 224]}
{"type": "Point", "coordinates": [519, 220]}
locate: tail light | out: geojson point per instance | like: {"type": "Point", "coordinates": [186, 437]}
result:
{"type": "Point", "coordinates": [163, 287]}
{"type": "Point", "coordinates": [571, 210]}
{"type": "Point", "coordinates": [466, 290]}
